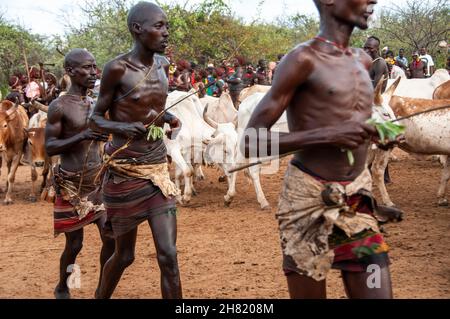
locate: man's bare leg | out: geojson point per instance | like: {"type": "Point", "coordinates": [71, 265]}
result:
{"type": "Point", "coordinates": [122, 258]}
{"type": "Point", "coordinates": [164, 230]}
{"type": "Point", "coordinates": [356, 285]}
{"type": "Point", "coordinates": [74, 243]}
{"type": "Point", "coordinates": [108, 245]}
{"type": "Point", "coordinates": [303, 287]}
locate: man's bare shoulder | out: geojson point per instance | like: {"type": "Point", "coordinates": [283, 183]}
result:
{"type": "Point", "coordinates": [365, 59]}
{"type": "Point", "coordinates": [56, 109]}
{"type": "Point", "coordinates": [117, 66]}
{"type": "Point", "coordinates": [302, 53]}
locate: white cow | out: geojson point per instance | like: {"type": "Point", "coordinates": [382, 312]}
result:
{"type": "Point", "coordinates": [245, 93]}
{"type": "Point", "coordinates": [198, 140]}
{"type": "Point", "coordinates": [421, 88]}
{"type": "Point", "coordinates": [245, 111]}
{"type": "Point", "coordinates": [221, 109]}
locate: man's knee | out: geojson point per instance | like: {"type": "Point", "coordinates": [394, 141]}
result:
{"type": "Point", "coordinates": [167, 260]}
{"type": "Point", "coordinates": [74, 246]}
{"type": "Point", "coordinates": [126, 259]}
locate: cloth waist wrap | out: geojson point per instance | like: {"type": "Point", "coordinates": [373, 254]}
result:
{"type": "Point", "coordinates": [150, 166]}
{"type": "Point", "coordinates": [85, 198]}
{"type": "Point", "coordinates": [309, 210]}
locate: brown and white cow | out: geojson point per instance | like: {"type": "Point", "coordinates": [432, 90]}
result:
{"type": "Point", "coordinates": [35, 152]}
{"type": "Point", "coordinates": [427, 134]}
{"type": "Point", "coordinates": [13, 121]}
{"type": "Point", "coordinates": [442, 91]}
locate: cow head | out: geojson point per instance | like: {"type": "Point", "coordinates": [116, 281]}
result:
{"type": "Point", "coordinates": [36, 145]}
{"type": "Point", "coordinates": [381, 109]}
{"type": "Point", "coordinates": [222, 147]}
{"type": "Point", "coordinates": [8, 112]}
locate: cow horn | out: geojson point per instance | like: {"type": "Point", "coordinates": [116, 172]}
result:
{"type": "Point", "coordinates": [378, 99]}
{"type": "Point", "coordinates": [236, 121]}
{"type": "Point", "coordinates": [390, 92]}
{"type": "Point", "coordinates": [40, 107]}
{"type": "Point", "coordinates": [12, 110]}
{"type": "Point", "coordinates": [208, 120]}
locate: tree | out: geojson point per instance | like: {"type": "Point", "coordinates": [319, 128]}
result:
{"type": "Point", "coordinates": [416, 24]}
{"type": "Point", "coordinates": [14, 41]}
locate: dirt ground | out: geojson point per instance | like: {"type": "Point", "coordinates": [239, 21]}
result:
{"type": "Point", "coordinates": [226, 252]}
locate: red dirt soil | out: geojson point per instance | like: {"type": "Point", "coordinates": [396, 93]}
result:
{"type": "Point", "coordinates": [226, 252]}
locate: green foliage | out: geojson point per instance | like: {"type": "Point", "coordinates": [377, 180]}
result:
{"type": "Point", "coordinates": [414, 25]}
{"type": "Point", "coordinates": [155, 133]}
{"type": "Point", "coordinates": [210, 31]}
{"type": "Point", "coordinates": [387, 131]}
{"type": "Point", "coordinates": [14, 41]}
{"type": "Point", "coordinates": [104, 33]}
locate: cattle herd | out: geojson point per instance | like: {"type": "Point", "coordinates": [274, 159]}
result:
{"type": "Point", "coordinates": [212, 129]}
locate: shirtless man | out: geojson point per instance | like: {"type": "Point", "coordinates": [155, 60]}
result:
{"type": "Point", "coordinates": [325, 212]}
{"type": "Point", "coordinates": [235, 83]}
{"type": "Point", "coordinates": [379, 68]}
{"type": "Point", "coordinates": [137, 186]}
{"type": "Point", "coordinates": [68, 135]}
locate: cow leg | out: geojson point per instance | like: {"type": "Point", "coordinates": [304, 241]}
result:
{"type": "Point", "coordinates": [442, 200]}
{"type": "Point", "coordinates": [182, 169]}
{"type": "Point", "coordinates": [1, 162]}
{"type": "Point", "coordinates": [379, 164]}
{"type": "Point", "coordinates": [187, 196]}
{"type": "Point", "coordinates": [231, 189]}
{"type": "Point", "coordinates": [192, 179]}
{"type": "Point", "coordinates": [386, 212]}
{"type": "Point", "coordinates": [12, 169]}
{"type": "Point", "coordinates": [199, 176]}
{"type": "Point", "coordinates": [254, 175]}
{"type": "Point", "coordinates": [45, 172]}
{"type": "Point", "coordinates": [34, 177]}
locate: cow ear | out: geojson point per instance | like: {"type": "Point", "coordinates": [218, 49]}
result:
{"type": "Point", "coordinates": [26, 131]}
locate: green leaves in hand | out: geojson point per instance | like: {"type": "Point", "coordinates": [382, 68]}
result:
{"type": "Point", "coordinates": [155, 133]}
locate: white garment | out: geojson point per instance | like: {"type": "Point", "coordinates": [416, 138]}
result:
{"type": "Point", "coordinates": [429, 60]}
{"type": "Point", "coordinates": [32, 90]}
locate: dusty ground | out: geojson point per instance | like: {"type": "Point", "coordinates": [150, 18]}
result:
{"type": "Point", "coordinates": [226, 252]}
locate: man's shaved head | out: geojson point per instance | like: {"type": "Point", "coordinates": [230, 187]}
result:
{"type": "Point", "coordinates": [75, 57]}
{"type": "Point", "coordinates": [140, 12]}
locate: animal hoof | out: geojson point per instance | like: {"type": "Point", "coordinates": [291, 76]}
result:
{"type": "Point", "coordinates": [227, 201]}
{"type": "Point", "coordinates": [32, 199]}
{"type": "Point", "coordinates": [61, 294]}
{"type": "Point", "coordinates": [443, 202]}
{"type": "Point", "coordinates": [185, 201]}
{"type": "Point", "coordinates": [386, 214]}
{"type": "Point", "coordinates": [222, 179]}
{"type": "Point", "coordinates": [266, 207]}
{"type": "Point", "coordinates": [8, 202]}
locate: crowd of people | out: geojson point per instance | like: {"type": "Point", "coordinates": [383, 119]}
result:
{"type": "Point", "coordinates": [232, 75]}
